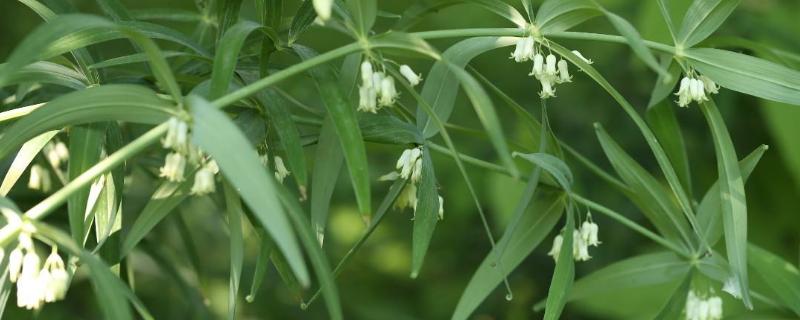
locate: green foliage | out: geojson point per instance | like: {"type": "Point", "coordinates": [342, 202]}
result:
{"type": "Point", "coordinates": [183, 122]}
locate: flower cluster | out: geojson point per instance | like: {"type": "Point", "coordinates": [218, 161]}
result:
{"type": "Point", "coordinates": [36, 285]}
{"type": "Point", "coordinates": [39, 179]}
{"type": "Point", "coordinates": [56, 153]}
{"type": "Point", "coordinates": [378, 89]}
{"type": "Point", "coordinates": [703, 308]}
{"type": "Point", "coordinates": [182, 151]}
{"type": "Point", "coordinates": [281, 172]}
{"type": "Point", "coordinates": [409, 166]}
{"type": "Point", "coordinates": [582, 238]}
{"type": "Point", "coordinates": [695, 89]}
{"type": "Point", "coordinates": [549, 70]}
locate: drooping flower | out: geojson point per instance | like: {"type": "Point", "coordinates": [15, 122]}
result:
{"type": "Point", "coordinates": [702, 308]}
{"type": "Point", "coordinates": [15, 264]}
{"type": "Point", "coordinates": [563, 71]}
{"type": "Point", "coordinates": [710, 86]}
{"type": "Point", "coordinates": [558, 241]}
{"type": "Point", "coordinates": [367, 97]}
{"type": "Point", "coordinates": [589, 231]}
{"type": "Point", "coordinates": [550, 68]}
{"type": "Point", "coordinates": [39, 179]}
{"type": "Point", "coordinates": [388, 93]}
{"type": "Point", "coordinates": [410, 164]}
{"type": "Point", "coordinates": [524, 49]}
{"type": "Point", "coordinates": [407, 197]}
{"type": "Point", "coordinates": [412, 77]}
{"type": "Point", "coordinates": [56, 153]}
{"type": "Point", "coordinates": [177, 135]}
{"type": "Point", "coordinates": [54, 278]}
{"type": "Point", "coordinates": [174, 166]}
{"type": "Point", "coordinates": [29, 289]}
{"type": "Point", "coordinates": [580, 249]}
{"type": "Point", "coordinates": [693, 89]}
{"type": "Point", "coordinates": [547, 89]}
{"type": "Point", "coordinates": [204, 181]}
{"type": "Point", "coordinates": [538, 66]}
{"type": "Point", "coordinates": [577, 53]}
{"type": "Point", "coordinates": [280, 169]}
{"type": "Point", "coordinates": [366, 73]}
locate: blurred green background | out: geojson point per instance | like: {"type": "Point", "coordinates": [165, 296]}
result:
{"type": "Point", "coordinates": [376, 284]}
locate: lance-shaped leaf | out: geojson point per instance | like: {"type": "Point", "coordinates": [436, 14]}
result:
{"type": "Point", "coordinates": [747, 74]}
{"type": "Point", "coordinates": [564, 273]}
{"type": "Point", "coordinates": [23, 159]}
{"type": "Point", "coordinates": [560, 15]}
{"type": "Point", "coordinates": [235, 214]}
{"type": "Point", "coordinates": [49, 73]}
{"type": "Point", "coordinates": [782, 277]}
{"type": "Point", "coordinates": [733, 200]}
{"type": "Point", "coordinates": [426, 213]}
{"type": "Point", "coordinates": [328, 161]}
{"type": "Point", "coordinates": [703, 18]}
{"type": "Point", "coordinates": [635, 41]}
{"type": "Point", "coordinates": [217, 135]}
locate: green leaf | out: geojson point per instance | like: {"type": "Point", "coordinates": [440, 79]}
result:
{"type": "Point", "coordinates": [50, 73]}
{"type": "Point", "coordinates": [703, 18]}
{"type": "Point", "coordinates": [166, 14]}
{"type": "Point", "coordinates": [142, 57]}
{"type": "Point", "coordinates": [227, 55]}
{"type": "Point", "coordinates": [383, 128]}
{"type": "Point", "coordinates": [674, 306]}
{"type": "Point", "coordinates": [215, 133]}
{"type": "Point", "coordinates": [519, 242]}
{"type": "Point", "coordinates": [302, 20]}
{"type": "Point", "coordinates": [165, 199]}
{"type": "Point", "coordinates": [440, 88]}
{"type": "Point", "coordinates": [363, 13]}
{"type": "Point", "coordinates": [345, 122]}
{"type": "Point", "coordinates": [85, 145]}
{"type": "Point", "coordinates": [564, 273]}
{"type": "Point", "coordinates": [708, 212]}
{"type": "Point", "coordinates": [426, 213]}
{"type": "Point", "coordinates": [553, 165]}
{"type": "Point", "coordinates": [234, 206]}
{"type": "Point", "coordinates": [114, 9]}
{"type": "Point", "coordinates": [23, 159]}
{"type": "Point", "coordinates": [561, 15]}
{"type": "Point", "coordinates": [117, 102]}
{"type": "Point", "coordinates": [414, 12]}
{"type": "Point", "coordinates": [328, 161]}
{"type": "Point", "coordinates": [661, 118]}
{"type": "Point", "coordinates": [782, 277]}
{"type": "Point", "coordinates": [646, 192]}
{"type": "Point", "coordinates": [502, 9]}
{"type": "Point", "coordinates": [733, 200]}
{"type": "Point", "coordinates": [636, 272]}
{"type": "Point", "coordinates": [635, 41]}
{"type": "Point", "coordinates": [262, 263]}
{"type": "Point", "coordinates": [747, 74]}
{"type": "Point", "coordinates": [227, 15]}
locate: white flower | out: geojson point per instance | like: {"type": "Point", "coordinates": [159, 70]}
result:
{"type": "Point", "coordinates": [29, 289]}
{"type": "Point", "coordinates": [412, 77]}
{"type": "Point", "coordinates": [377, 78]}
{"type": "Point", "coordinates": [212, 166]}
{"type": "Point", "coordinates": [684, 98]}
{"type": "Point", "coordinates": [56, 153]}
{"type": "Point", "coordinates": [697, 90]}
{"type": "Point", "coordinates": [174, 166]}
{"type": "Point", "coordinates": [698, 308]}
{"type": "Point", "coordinates": [54, 278]}
{"type": "Point", "coordinates": [524, 49]}
{"type": "Point", "coordinates": [558, 241]}
{"type": "Point", "coordinates": [441, 208]}
{"type": "Point", "coordinates": [388, 92]}
{"type": "Point", "coordinates": [204, 182]}
{"type": "Point", "coordinates": [550, 69]}
{"type": "Point", "coordinates": [714, 308]}
{"type": "Point", "coordinates": [407, 197]}
{"type": "Point", "coordinates": [563, 71]}
{"type": "Point", "coordinates": [63, 153]}
{"type": "Point", "coordinates": [367, 97]}
{"type": "Point", "coordinates": [547, 89]}
{"type": "Point", "coordinates": [710, 85]}
{"type": "Point", "coordinates": [538, 66]}
{"type": "Point", "coordinates": [410, 164]}
{"type": "Point", "coordinates": [39, 179]}
{"type": "Point", "coordinates": [580, 250]}
{"type": "Point", "coordinates": [280, 169]}
{"type": "Point", "coordinates": [577, 53]}
{"type": "Point", "coordinates": [177, 135]}
{"type": "Point", "coordinates": [264, 158]}
{"type": "Point", "coordinates": [589, 233]}
{"type": "Point", "coordinates": [14, 264]}
{"type": "Point", "coordinates": [366, 73]}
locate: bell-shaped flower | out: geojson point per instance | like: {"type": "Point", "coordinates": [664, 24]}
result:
{"type": "Point", "coordinates": [684, 95]}
{"type": "Point", "coordinates": [410, 164]}
{"type": "Point", "coordinates": [177, 135]}
{"type": "Point", "coordinates": [412, 77]}
{"type": "Point", "coordinates": [280, 169]}
{"type": "Point", "coordinates": [580, 250]}
{"type": "Point", "coordinates": [589, 231]}
{"type": "Point", "coordinates": [29, 289]}
{"type": "Point", "coordinates": [558, 241]}
{"type": "Point", "coordinates": [550, 68]}
{"type": "Point", "coordinates": [367, 99]}
{"type": "Point", "coordinates": [524, 49]}
{"type": "Point", "coordinates": [577, 53]}
{"type": "Point", "coordinates": [710, 86]}
{"type": "Point", "coordinates": [547, 89]}
{"type": "Point", "coordinates": [15, 264]}
{"type": "Point", "coordinates": [204, 182]}
{"type": "Point", "coordinates": [563, 72]}
{"type": "Point", "coordinates": [39, 179]}
{"type": "Point", "coordinates": [55, 288]}
{"type": "Point", "coordinates": [441, 208]}
{"type": "Point", "coordinates": [538, 66]}
{"type": "Point", "coordinates": [407, 197]}
{"type": "Point", "coordinates": [174, 166]}
{"type": "Point", "coordinates": [366, 73]}
{"type": "Point", "coordinates": [388, 93]}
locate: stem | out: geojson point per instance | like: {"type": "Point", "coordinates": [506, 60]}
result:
{"type": "Point", "coordinates": [629, 223]}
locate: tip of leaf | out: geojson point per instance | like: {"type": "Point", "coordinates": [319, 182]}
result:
{"type": "Point", "coordinates": [765, 147]}
{"type": "Point", "coordinates": [414, 274]}
{"type": "Point", "coordinates": [597, 126]}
